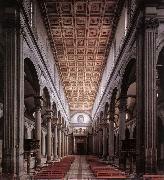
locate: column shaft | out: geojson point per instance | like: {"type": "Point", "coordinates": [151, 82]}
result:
{"type": "Point", "coordinates": [122, 126]}
{"type": "Point", "coordinates": [13, 134]}
{"type": "Point", "coordinates": [55, 142]}
{"type": "Point", "coordinates": [63, 143]}
{"type": "Point", "coordinates": [140, 126]}
{"type": "Point", "coordinates": [59, 143]}
{"type": "Point", "coordinates": [104, 142]}
{"type": "Point", "coordinates": [49, 136]}
{"type": "Point", "coordinates": [67, 146]}
{"type": "Point", "coordinates": [111, 141]}
{"type": "Point", "coordinates": [74, 145]}
{"type": "Point", "coordinates": [38, 134]}
{"type": "Point", "coordinates": [43, 144]}
{"type": "Point", "coordinates": [94, 141]}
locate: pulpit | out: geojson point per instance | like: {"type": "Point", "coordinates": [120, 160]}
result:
{"type": "Point", "coordinates": [128, 151]}
{"type": "Point", "coordinates": [30, 147]}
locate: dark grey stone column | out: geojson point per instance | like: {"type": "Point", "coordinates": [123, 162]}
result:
{"type": "Point", "coordinates": [146, 159]}
{"type": "Point", "coordinates": [12, 163]}
{"type": "Point", "coordinates": [122, 126]}
{"type": "Point", "coordinates": [140, 120]}
{"type": "Point", "coordinates": [38, 121]}
{"type": "Point", "coordinates": [104, 140]}
{"type": "Point", "coordinates": [94, 142]}
{"type": "Point", "coordinates": [59, 141]}
{"type": "Point", "coordinates": [55, 140]}
{"type": "Point", "coordinates": [63, 141]}
{"type": "Point", "coordinates": [111, 141]}
{"type": "Point", "coordinates": [49, 135]}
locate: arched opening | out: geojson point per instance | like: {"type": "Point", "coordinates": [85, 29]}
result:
{"type": "Point", "coordinates": [160, 111]}
{"type": "Point", "coordinates": [31, 90]}
{"type": "Point", "coordinates": [127, 113]}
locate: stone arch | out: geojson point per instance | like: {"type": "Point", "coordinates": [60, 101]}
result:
{"type": "Point", "coordinates": [31, 87]}
{"type": "Point", "coordinates": [128, 76]}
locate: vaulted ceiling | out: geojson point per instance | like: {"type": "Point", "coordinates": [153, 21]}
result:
{"type": "Point", "coordinates": [80, 32]}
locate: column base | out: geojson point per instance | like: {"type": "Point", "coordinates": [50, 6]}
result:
{"type": "Point", "coordinates": [48, 159]}
{"type": "Point", "coordinates": [111, 159]}
{"type": "Point", "coordinates": [13, 176]}
{"type": "Point", "coordinates": [55, 158]}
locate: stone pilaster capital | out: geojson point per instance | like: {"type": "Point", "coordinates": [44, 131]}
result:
{"type": "Point", "coordinates": [48, 115]}
{"type": "Point", "coordinates": [151, 22]}
{"type": "Point", "coordinates": [59, 125]}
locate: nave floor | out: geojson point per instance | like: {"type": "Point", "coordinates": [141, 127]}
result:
{"type": "Point", "coordinates": [80, 170]}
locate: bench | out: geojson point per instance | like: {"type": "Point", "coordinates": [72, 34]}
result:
{"type": "Point", "coordinates": [111, 175]}
{"type": "Point", "coordinates": [109, 171]}
{"type": "Point", "coordinates": [153, 177]}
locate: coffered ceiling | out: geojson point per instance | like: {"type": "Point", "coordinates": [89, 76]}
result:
{"type": "Point", "coordinates": [80, 31]}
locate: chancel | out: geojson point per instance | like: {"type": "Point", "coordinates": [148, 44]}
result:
{"type": "Point", "coordinates": [81, 89]}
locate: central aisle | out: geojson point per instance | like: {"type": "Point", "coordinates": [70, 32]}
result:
{"type": "Point", "coordinates": [80, 169]}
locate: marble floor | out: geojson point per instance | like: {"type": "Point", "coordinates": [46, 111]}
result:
{"type": "Point", "coordinates": [80, 170]}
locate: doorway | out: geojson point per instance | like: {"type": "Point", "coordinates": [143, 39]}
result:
{"type": "Point", "coordinates": [81, 148]}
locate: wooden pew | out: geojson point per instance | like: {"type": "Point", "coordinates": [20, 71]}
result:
{"type": "Point", "coordinates": [110, 175]}
{"type": "Point", "coordinates": [153, 177]}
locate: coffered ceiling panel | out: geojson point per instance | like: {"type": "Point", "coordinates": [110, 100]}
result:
{"type": "Point", "coordinates": [81, 31]}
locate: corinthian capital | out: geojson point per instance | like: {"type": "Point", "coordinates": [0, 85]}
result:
{"type": "Point", "coordinates": [38, 101]}
{"type": "Point", "coordinates": [48, 114]}
{"type": "Point", "coordinates": [151, 23]}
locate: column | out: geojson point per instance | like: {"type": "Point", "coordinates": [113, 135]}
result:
{"type": "Point", "coordinates": [43, 143]}
{"type": "Point", "coordinates": [55, 142]}
{"type": "Point", "coordinates": [94, 142]}
{"type": "Point", "coordinates": [146, 160]}
{"type": "Point", "coordinates": [49, 134]}
{"type": "Point", "coordinates": [74, 144]}
{"type": "Point", "coordinates": [104, 141]}
{"type": "Point", "coordinates": [13, 92]}
{"type": "Point", "coordinates": [150, 113]}
{"type": "Point", "coordinates": [99, 142]}
{"type": "Point", "coordinates": [67, 152]}
{"type": "Point", "coordinates": [122, 126]}
{"type": "Point", "coordinates": [38, 121]}
{"type": "Point", "coordinates": [140, 120]}
{"type": "Point", "coordinates": [111, 141]}
{"type": "Point", "coordinates": [63, 142]}
{"type": "Point", "coordinates": [59, 141]}
{"type": "Point", "coordinates": [29, 132]}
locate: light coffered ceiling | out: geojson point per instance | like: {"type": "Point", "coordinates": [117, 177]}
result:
{"type": "Point", "coordinates": [80, 31]}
